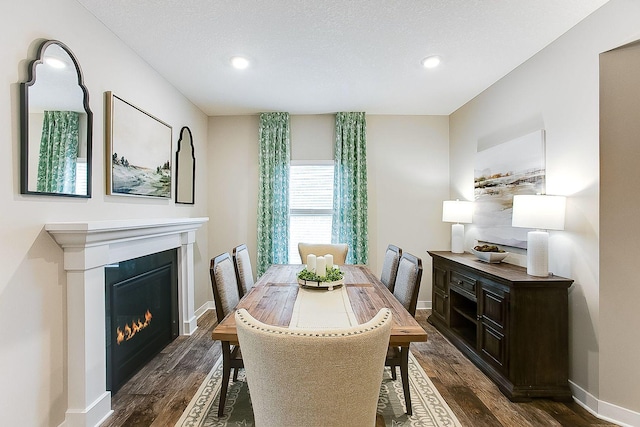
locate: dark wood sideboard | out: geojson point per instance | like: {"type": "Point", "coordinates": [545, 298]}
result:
{"type": "Point", "coordinates": [513, 326]}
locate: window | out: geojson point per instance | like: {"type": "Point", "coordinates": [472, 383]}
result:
{"type": "Point", "coordinates": [81, 176]}
{"type": "Point", "coordinates": [310, 204]}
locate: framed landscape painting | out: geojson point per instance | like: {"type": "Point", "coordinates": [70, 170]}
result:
{"type": "Point", "coordinates": [502, 171]}
{"type": "Point", "coordinates": [138, 151]}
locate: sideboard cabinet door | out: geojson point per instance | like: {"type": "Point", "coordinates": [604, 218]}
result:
{"type": "Point", "coordinates": [493, 322]}
{"type": "Point", "coordinates": [440, 295]}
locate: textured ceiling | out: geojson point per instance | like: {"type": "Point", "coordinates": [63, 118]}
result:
{"type": "Point", "coordinates": [323, 56]}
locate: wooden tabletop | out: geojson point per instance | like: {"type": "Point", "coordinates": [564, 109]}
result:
{"type": "Point", "coordinates": [272, 298]}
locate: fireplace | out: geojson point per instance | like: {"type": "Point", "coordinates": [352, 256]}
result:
{"type": "Point", "coordinates": [141, 313]}
{"type": "Point", "coordinates": [89, 247]}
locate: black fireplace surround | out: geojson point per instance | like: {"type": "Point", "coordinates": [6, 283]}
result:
{"type": "Point", "coordinates": [141, 313]}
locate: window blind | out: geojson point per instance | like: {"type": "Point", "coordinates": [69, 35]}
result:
{"type": "Point", "coordinates": [310, 205]}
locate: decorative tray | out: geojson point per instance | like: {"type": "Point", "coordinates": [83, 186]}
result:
{"type": "Point", "coordinates": [320, 285]}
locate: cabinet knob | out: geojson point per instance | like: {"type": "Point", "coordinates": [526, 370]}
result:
{"type": "Point", "coordinates": [446, 296]}
{"type": "Point", "coordinates": [479, 317]}
{"type": "Point", "coordinates": [459, 282]}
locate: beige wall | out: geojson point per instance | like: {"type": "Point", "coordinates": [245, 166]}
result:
{"type": "Point", "coordinates": [408, 180]}
{"type": "Point", "coordinates": [407, 161]}
{"type": "Point", "coordinates": [32, 280]}
{"type": "Point", "coordinates": [233, 183]}
{"type": "Point", "coordinates": [312, 137]}
{"type": "Point", "coordinates": [619, 225]}
{"type": "Point", "coordinates": [557, 90]}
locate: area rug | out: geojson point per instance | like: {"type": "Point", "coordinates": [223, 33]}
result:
{"type": "Point", "coordinates": [429, 408]}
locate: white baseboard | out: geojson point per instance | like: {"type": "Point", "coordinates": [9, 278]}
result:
{"type": "Point", "coordinates": [604, 410]}
{"type": "Point", "coordinates": [209, 305]}
{"type": "Point", "coordinates": [424, 305]}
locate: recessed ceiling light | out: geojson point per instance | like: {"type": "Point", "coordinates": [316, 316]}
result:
{"type": "Point", "coordinates": [431, 61]}
{"type": "Point", "coordinates": [54, 62]}
{"type": "Point", "coordinates": [239, 62]}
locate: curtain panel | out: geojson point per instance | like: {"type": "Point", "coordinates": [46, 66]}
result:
{"type": "Point", "coordinates": [350, 224]}
{"type": "Point", "coordinates": [58, 152]}
{"type": "Point", "coordinates": [273, 196]}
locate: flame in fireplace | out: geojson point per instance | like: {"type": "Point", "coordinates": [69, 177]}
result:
{"type": "Point", "coordinates": [129, 331]}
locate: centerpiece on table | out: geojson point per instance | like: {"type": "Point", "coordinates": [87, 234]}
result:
{"type": "Point", "coordinates": [321, 272]}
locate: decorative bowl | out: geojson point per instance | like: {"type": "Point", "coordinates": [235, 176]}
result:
{"type": "Point", "coordinates": [490, 257]}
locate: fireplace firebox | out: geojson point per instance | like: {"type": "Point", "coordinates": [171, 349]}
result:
{"type": "Point", "coordinates": [141, 313]}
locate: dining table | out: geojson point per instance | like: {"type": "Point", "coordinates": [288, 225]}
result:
{"type": "Point", "coordinates": [278, 299]}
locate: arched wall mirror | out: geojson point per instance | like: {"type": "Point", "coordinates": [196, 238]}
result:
{"type": "Point", "coordinates": [55, 125]}
{"type": "Point", "coordinates": [185, 168]}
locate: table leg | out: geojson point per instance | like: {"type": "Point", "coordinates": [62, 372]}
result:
{"type": "Point", "coordinates": [404, 375]}
{"type": "Point", "coordinates": [226, 372]}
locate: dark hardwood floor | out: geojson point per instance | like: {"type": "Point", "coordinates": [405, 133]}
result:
{"type": "Point", "coordinates": [158, 394]}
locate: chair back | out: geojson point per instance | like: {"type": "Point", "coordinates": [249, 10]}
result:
{"type": "Point", "coordinates": [408, 282]}
{"type": "Point", "coordinates": [390, 266]}
{"type": "Point", "coordinates": [338, 250]}
{"type": "Point", "coordinates": [244, 272]}
{"type": "Point", "coordinates": [224, 284]}
{"type": "Point", "coordinates": [323, 377]}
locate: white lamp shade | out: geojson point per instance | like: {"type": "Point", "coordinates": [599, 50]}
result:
{"type": "Point", "coordinates": [457, 211]}
{"type": "Point", "coordinates": [539, 211]}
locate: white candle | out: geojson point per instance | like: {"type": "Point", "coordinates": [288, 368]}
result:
{"type": "Point", "coordinates": [329, 260]}
{"type": "Point", "coordinates": [311, 263]}
{"type": "Point", "coordinates": [321, 266]}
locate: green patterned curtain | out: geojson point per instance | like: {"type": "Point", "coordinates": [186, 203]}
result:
{"type": "Point", "coordinates": [273, 198]}
{"type": "Point", "coordinates": [58, 152]}
{"type": "Point", "coordinates": [350, 187]}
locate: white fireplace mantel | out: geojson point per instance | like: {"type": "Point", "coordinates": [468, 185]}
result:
{"type": "Point", "coordinates": [88, 247]}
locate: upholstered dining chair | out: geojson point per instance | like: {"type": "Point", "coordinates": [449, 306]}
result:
{"type": "Point", "coordinates": [338, 250]}
{"type": "Point", "coordinates": [320, 377]}
{"type": "Point", "coordinates": [390, 266]}
{"type": "Point", "coordinates": [406, 291]}
{"type": "Point", "coordinates": [244, 272]}
{"type": "Point", "coordinates": [226, 297]}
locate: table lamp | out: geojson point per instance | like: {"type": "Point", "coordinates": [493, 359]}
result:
{"type": "Point", "coordinates": [457, 211]}
{"type": "Point", "coordinates": [543, 213]}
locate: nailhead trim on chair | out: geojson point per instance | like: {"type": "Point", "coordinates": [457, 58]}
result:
{"type": "Point", "coordinates": [292, 332]}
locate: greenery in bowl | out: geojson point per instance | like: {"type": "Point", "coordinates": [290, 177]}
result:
{"type": "Point", "coordinates": [333, 275]}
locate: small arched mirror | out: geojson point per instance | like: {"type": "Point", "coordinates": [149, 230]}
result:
{"type": "Point", "coordinates": [185, 168]}
{"type": "Point", "coordinates": [56, 125]}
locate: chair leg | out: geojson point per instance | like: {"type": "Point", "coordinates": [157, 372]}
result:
{"type": "Point", "coordinates": [235, 374]}
{"type": "Point", "coordinates": [226, 372]}
{"type": "Point", "coordinates": [404, 374]}
{"type": "Point", "coordinates": [393, 372]}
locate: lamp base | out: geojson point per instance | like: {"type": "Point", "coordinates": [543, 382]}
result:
{"type": "Point", "coordinates": [538, 253]}
{"type": "Point", "coordinates": [457, 238]}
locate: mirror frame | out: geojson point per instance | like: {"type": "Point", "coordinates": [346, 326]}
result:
{"type": "Point", "coordinates": [182, 151]}
{"type": "Point", "coordinates": [24, 120]}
